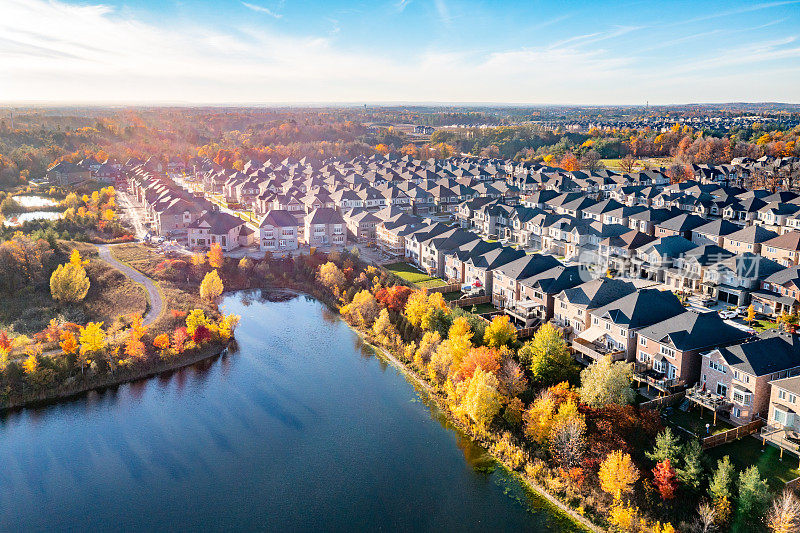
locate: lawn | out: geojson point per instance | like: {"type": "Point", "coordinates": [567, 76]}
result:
{"type": "Point", "coordinates": [413, 275]}
{"type": "Point", "coordinates": [763, 325]}
{"type": "Point", "coordinates": [451, 296]}
{"type": "Point", "coordinates": [749, 451]}
{"type": "Point", "coordinates": [481, 309]}
{"type": "Point", "coordinates": [692, 421]}
{"type": "Point", "coordinates": [614, 164]}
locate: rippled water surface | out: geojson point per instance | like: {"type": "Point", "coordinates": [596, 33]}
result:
{"type": "Point", "coordinates": [302, 429]}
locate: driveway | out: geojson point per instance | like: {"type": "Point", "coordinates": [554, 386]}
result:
{"type": "Point", "coordinates": [153, 296]}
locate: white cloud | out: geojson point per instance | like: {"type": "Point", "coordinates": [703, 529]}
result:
{"type": "Point", "coordinates": [57, 52]}
{"type": "Point", "coordinates": [261, 9]}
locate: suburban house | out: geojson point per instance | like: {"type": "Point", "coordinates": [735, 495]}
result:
{"type": "Point", "coordinates": [783, 249]}
{"type": "Point", "coordinates": [278, 231]}
{"type": "Point", "coordinates": [668, 352]}
{"type": "Point", "coordinates": [218, 228]}
{"type": "Point", "coordinates": [325, 226]}
{"type": "Point", "coordinates": [572, 306]}
{"type": "Point", "coordinates": [779, 293]}
{"type": "Point", "coordinates": [614, 326]}
{"type": "Point", "coordinates": [740, 375]}
{"type": "Point", "coordinates": [747, 239]}
{"type": "Point", "coordinates": [506, 284]}
{"type": "Point", "coordinates": [734, 278]}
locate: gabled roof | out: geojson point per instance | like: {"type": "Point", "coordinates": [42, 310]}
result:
{"type": "Point", "coordinates": [752, 235]}
{"type": "Point", "coordinates": [641, 308]}
{"type": "Point", "coordinates": [279, 218]}
{"type": "Point", "coordinates": [527, 266]}
{"type": "Point", "coordinates": [691, 330]}
{"type": "Point", "coordinates": [788, 241]}
{"type": "Point", "coordinates": [769, 352]}
{"type": "Point", "coordinates": [217, 222]}
{"type": "Point", "coordinates": [597, 293]}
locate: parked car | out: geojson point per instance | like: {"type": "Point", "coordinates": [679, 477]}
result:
{"type": "Point", "coordinates": [741, 311]}
{"type": "Point", "coordinates": [727, 314]}
{"type": "Point", "coordinates": [707, 301]}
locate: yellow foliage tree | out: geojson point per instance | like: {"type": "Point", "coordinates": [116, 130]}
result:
{"type": "Point", "coordinates": [500, 332]}
{"type": "Point", "coordinates": [211, 287]}
{"type": "Point", "coordinates": [69, 282]}
{"type": "Point", "coordinates": [482, 401]}
{"type": "Point", "coordinates": [194, 319]}
{"type": "Point", "coordinates": [332, 277]}
{"type": "Point", "coordinates": [30, 365]}
{"type": "Point", "coordinates": [227, 325]}
{"type": "Point", "coordinates": [363, 310]}
{"type": "Point", "coordinates": [618, 474]}
{"type": "Point", "coordinates": [92, 339]}
{"type": "Point", "coordinates": [215, 256]}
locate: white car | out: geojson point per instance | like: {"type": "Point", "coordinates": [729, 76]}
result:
{"type": "Point", "coordinates": [727, 314]}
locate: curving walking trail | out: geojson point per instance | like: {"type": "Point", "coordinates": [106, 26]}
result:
{"type": "Point", "coordinates": [153, 296]}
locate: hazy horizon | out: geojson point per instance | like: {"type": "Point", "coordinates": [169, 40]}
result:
{"type": "Point", "coordinates": [435, 52]}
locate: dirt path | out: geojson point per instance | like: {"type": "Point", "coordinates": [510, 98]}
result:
{"type": "Point", "coordinates": [153, 295]}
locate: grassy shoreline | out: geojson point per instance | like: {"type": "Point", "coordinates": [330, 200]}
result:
{"type": "Point", "coordinates": [418, 381]}
{"type": "Point", "coordinates": [77, 389]}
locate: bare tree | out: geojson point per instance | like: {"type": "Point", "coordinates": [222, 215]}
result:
{"type": "Point", "coordinates": [784, 516]}
{"type": "Point", "coordinates": [627, 163]}
{"type": "Point", "coordinates": [705, 522]}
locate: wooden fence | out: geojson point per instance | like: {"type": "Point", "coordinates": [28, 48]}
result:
{"type": "Point", "coordinates": [670, 399]}
{"type": "Point", "coordinates": [732, 434]}
{"type": "Point", "coordinates": [452, 287]}
{"type": "Point", "coordinates": [469, 302]}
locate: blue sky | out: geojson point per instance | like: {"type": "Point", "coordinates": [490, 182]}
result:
{"type": "Point", "coordinates": [284, 51]}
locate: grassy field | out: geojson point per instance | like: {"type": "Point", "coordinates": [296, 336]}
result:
{"type": "Point", "coordinates": [655, 162]}
{"type": "Point", "coordinates": [413, 275]}
{"type": "Point", "coordinates": [110, 295]}
{"type": "Point", "coordinates": [763, 325]}
{"type": "Point", "coordinates": [695, 423]}
{"type": "Point", "coordinates": [749, 451]}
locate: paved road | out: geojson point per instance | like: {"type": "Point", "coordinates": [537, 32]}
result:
{"type": "Point", "coordinates": [132, 213]}
{"type": "Point", "coordinates": [153, 296]}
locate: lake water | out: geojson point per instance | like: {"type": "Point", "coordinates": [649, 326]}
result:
{"type": "Point", "coordinates": [302, 429]}
{"type": "Point", "coordinates": [35, 201]}
{"type": "Point", "coordinates": [17, 219]}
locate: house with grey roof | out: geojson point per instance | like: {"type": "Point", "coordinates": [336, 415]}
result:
{"type": "Point", "coordinates": [278, 231]}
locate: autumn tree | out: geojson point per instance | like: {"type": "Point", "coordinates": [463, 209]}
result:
{"type": "Point", "coordinates": [215, 256]}
{"type": "Point", "coordinates": [627, 163]}
{"type": "Point", "coordinates": [547, 356]}
{"type": "Point", "coordinates": [482, 400]}
{"type": "Point", "coordinates": [665, 479]}
{"type": "Point", "coordinates": [211, 287]}
{"type": "Point", "coordinates": [69, 282]}
{"type": "Point", "coordinates": [363, 310]}
{"type": "Point", "coordinates": [331, 276]}
{"type": "Point", "coordinates": [93, 340]}
{"type": "Point", "coordinates": [134, 347]}
{"type": "Point", "coordinates": [605, 382]}
{"type": "Point", "coordinates": [484, 358]}
{"type": "Point", "coordinates": [428, 345]}
{"type": "Point", "coordinates": [500, 332]}
{"type": "Point", "coordinates": [394, 298]}
{"type": "Point", "coordinates": [162, 343]}
{"type": "Point", "coordinates": [618, 474]}
{"type": "Point", "coordinates": [784, 515]}
{"type": "Point", "coordinates": [568, 442]}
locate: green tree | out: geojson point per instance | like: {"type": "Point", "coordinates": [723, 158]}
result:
{"type": "Point", "coordinates": [668, 446]}
{"type": "Point", "coordinates": [753, 492]}
{"type": "Point", "coordinates": [692, 471]}
{"type": "Point", "coordinates": [547, 356]}
{"type": "Point", "coordinates": [721, 480]}
{"type": "Point", "coordinates": [604, 382]}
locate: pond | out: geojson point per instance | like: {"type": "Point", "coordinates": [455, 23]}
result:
{"type": "Point", "coordinates": [35, 201]}
{"type": "Point", "coordinates": [302, 428]}
{"type": "Point", "coordinates": [17, 219]}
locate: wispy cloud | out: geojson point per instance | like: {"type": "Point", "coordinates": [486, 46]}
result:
{"type": "Point", "coordinates": [261, 9]}
{"type": "Point", "coordinates": [402, 5]}
{"type": "Point", "coordinates": [443, 11]}
{"type": "Point", "coordinates": [737, 11]}
{"type": "Point", "coordinates": [93, 51]}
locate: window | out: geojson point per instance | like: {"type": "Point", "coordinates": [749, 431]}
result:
{"type": "Point", "coordinates": [722, 389]}
{"type": "Point", "coordinates": [781, 394]}
{"type": "Point", "coordinates": [792, 398]}
{"type": "Point", "coordinates": [642, 341]}
{"type": "Point", "coordinates": [669, 352]}
{"type": "Point", "coordinates": [742, 397]}
{"type": "Point", "coordinates": [779, 416]}
{"type": "Point", "coordinates": [736, 374]}
{"type": "Point", "coordinates": [719, 367]}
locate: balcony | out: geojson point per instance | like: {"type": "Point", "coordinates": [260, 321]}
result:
{"type": "Point", "coordinates": [594, 351]}
{"type": "Point", "coordinates": [653, 378]}
{"type": "Point", "coordinates": [709, 400]}
{"type": "Point", "coordinates": [526, 313]}
{"type": "Point", "coordinates": [785, 438]}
